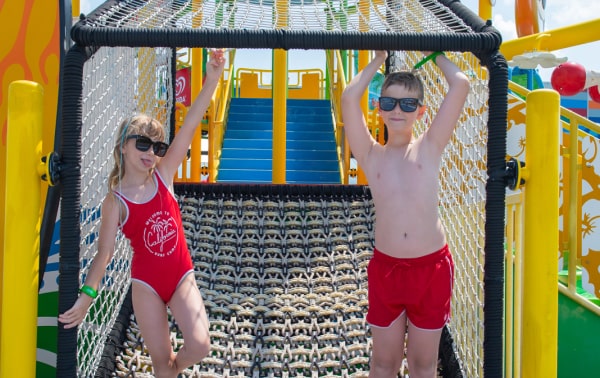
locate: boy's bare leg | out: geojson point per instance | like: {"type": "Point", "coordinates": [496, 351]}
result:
{"type": "Point", "coordinates": [422, 351]}
{"type": "Point", "coordinates": [388, 349]}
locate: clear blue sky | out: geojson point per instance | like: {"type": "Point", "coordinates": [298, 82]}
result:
{"type": "Point", "coordinates": [559, 13]}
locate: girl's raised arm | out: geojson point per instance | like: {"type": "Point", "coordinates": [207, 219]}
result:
{"type": "Point", "coordinates": [183, 139]}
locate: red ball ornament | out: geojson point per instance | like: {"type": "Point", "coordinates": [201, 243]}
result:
{"type": "Point", "coordinates": [568, 78]}
{"type": "Point", "coordinates": [594, 93]}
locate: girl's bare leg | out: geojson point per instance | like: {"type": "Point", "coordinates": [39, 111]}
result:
{"type": "Point", "coordinates": [188, 309]}
{"type": "Point", "coordinates": [151, 316]}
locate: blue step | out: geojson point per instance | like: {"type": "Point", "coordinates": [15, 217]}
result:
{"type": "Point", "coordinates": [291, 165]}
{"type": "Point", "coordinates": [290, 135]}
{"type": "Point", "coordinates": [311, 152]}
{"type": "Point", "coordinates": [266, 176]}
{"type": "Point", "coordinates": [267, 144]}
{"type": "Point", "coordinates": [243, 120]}
{"type": "Point", "coordinates": [290, 103]}
{"type": "Point", "coordinates": [252, 153]}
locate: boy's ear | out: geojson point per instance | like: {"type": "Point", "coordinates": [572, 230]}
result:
{"type": "Point", "coordinates": [422, 110]}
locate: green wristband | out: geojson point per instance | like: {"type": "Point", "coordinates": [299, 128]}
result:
{"type": "Point", "coordinates": [429, 57]}
{"type": "Point", "coordinates": [89, 291]}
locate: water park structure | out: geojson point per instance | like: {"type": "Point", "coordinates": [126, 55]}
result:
{"type": "Point", "coordinates": [278, 217]}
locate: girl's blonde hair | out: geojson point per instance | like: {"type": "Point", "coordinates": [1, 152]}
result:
{"type": "Point", "coordinates": [140, 124]}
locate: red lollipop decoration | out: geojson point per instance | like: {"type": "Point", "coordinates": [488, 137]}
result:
{"type": "Point", "coordinates": [594, 93]}
{"type": "Point", "coordinates": [568, 78]}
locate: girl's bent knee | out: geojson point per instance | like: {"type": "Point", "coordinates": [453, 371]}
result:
{"type": "Point", "coordinates": [198, 348]}
{"type": "Point", "coordinates": [204, 350]}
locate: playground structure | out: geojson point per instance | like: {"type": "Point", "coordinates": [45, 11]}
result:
{"type": "Point", "coordinates": [571, 268]}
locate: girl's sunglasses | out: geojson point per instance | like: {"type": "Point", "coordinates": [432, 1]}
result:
{"type": "Point", "coordinates": [143, 143]}
{"type": "Point", "coordinates": [407, 105]}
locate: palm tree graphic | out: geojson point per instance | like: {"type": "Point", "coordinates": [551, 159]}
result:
{"type": "Point", "coordinates": [161, 231]}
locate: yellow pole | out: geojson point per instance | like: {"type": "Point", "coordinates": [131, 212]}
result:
{"type": "Point", "coordinates": [540, 257]}
{"type": "Point", "coordinates": [279, 115]}
{"type": "Point", "coordinates": [551, 40]}
{"type": "Point", "coordinates": [75, 8]}
{"type": "Point", "coordinates": [485, 9]}
{"type": "Point", "coordinates": [196, 79]}
{"type": "Point", "coordinates": [20, 275]}
{"type": "Point", "coordinates": [196, 146]}
{"type": "Point", "coordinates": [363, 60]}
{"type": "Point", "coordinates": [280, 81]}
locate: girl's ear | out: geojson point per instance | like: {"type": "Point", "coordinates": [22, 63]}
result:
{"type": "Point", "coordinates": [422, 110]}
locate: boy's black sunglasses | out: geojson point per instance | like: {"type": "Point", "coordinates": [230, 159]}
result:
{"type": "Point", "coordinates": [143, 143]}
{"type": "Point", "coordinates": [407, 105]}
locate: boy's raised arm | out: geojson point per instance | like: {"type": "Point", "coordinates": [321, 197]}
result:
{"type": "Point", "coordinates": [444, 122]}
{"type": "Point", "coordinates": [355, 126]}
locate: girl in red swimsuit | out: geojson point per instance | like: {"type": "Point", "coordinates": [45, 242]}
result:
{"type": "Point", "coordinates": [141, 203]}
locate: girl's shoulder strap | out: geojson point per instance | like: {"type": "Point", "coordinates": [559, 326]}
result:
{"type": "Point", "coordinates": [123, 204]}
{"type": "Point", "coordinates": [160, 181]}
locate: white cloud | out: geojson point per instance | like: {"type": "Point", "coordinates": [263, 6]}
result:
{"type": "Point", "coordinates": [86, 6]}
{"type": "Point", "coordinates": [506, 27]}
{"type": "Point", "coordinates": [562, 13]}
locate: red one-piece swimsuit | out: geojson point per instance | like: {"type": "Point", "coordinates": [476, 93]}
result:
{"type": "Point", "coordinates": [161, 258]}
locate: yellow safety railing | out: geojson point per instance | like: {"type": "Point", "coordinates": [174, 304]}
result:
{"type": "Point", "coordinates": [216, 118]}
{"type": "Point", "coordinates": [337, 86]}
{"type": "Point", "coordinates": [531, 308]}
{"type": "Point", "coordinates": [572, 198]}
{"type": "Point", "coordinates": [514, 285]}
{"type": "Point", "coordinates": [185, 173]}
{"type": "Point", "coordinates": [339, 77]}
{"type": "Point", "coordinates": [257, 83]}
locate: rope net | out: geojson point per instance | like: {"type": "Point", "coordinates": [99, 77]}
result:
{"type": "Point", "coordinates": [284, 283]}
{"type": "Point", "coordinates": [283, 277]}
{"type": "Point", "coordinates": [297, 15]}
{"type": "Point", "coordinates": [117, 83]}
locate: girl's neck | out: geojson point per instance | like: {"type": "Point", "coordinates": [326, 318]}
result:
{"type": "Point", "coordinates": [136, 180]}
{"type": "Point", "coordinates": [137, 188]}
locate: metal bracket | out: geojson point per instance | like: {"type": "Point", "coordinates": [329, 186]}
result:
{"type": "Point", "coordinates": [49, 169]}
{"type": "Point", "coordinates": [514, 174]}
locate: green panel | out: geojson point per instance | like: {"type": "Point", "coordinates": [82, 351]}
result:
{"type": "Point", "coordinates": [48, 304]}
{"type": "Point", "coordinates": [578, 340]}
{"type": "Point", "coordinates": [46, 338]}
{"type": "Point", "coordinates": [44, 371]}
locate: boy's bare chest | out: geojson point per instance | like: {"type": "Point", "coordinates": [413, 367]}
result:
{"type": "Point", "coordinates": [406, 176]}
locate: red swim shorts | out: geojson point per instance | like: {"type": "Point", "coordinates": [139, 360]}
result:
{"type": "Point", "coordinates": [421, 286]}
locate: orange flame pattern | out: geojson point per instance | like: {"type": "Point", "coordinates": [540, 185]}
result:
{"type": "Point", "coordinates": [30, 50]}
